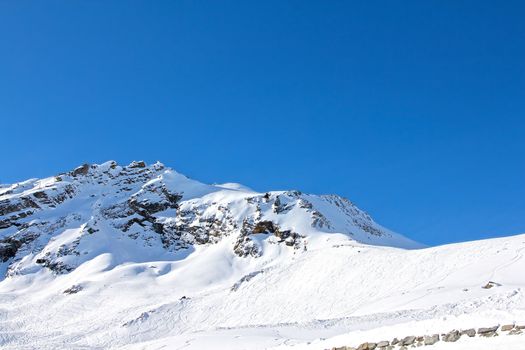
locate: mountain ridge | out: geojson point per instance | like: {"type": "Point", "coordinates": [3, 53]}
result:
{"type": "Point", "coordinates": [161, 206]}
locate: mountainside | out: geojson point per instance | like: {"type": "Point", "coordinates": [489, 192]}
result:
{"type": "Point", "coordinates": [137, 256]}
{"type": "Point", "coordinates": [140, 213]}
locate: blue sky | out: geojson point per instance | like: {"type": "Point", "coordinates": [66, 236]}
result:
{"type": "Point", "coordinates": [413, 110]}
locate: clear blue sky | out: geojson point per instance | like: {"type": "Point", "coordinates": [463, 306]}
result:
{"type": "Point", "coordinates": [414, 110]}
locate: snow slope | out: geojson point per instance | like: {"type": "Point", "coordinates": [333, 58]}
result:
{"type": "Point", "coordinates": [141, 257]}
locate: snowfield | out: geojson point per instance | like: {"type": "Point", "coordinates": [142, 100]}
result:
{"type": "Point", "coordinates": [141, 257]}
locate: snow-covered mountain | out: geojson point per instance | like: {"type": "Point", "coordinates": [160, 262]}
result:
{"type": "Point", "coordinates": [143, 213]}
{"type": "Point", "coordinates": [110, 256]}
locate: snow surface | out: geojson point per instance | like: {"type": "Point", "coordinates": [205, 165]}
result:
{"type": "Point", "coordinates": [342, 283]}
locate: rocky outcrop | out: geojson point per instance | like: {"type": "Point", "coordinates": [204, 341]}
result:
{"type": "Point", "coordinates": [246, 246]}
{"type": "Point", "coordinates": [81, 170]}
{"type": "Point", "coordinates": [8, 248]}
{"type": "Point", "coordinates": [73, 289]}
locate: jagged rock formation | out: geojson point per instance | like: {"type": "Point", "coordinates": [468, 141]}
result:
{"type": "Point", "coordinates": [60, 222]}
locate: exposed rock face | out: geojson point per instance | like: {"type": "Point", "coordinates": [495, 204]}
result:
{"type": "Point", "coordinates": [81, 170]}
{"type": "Point", "coordinates": [8, 248]}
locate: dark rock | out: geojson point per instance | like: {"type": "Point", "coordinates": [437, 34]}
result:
{"type": "Point", "coordinates": [491, 284]}
{"type": "Point", "coordinates": [280, 208]}
{"type": "Point", "coordinates": [244, 247]}
{"type": "Point", "coordinates": [8, 248]}
{"type": "Point", "coordinates": [158, 227]}
{"type": "Point", "coordinates": [40, 195]}
{"type": "Point", "coordinates": [265, 227]}
{"type": "Point", "coordinates": [319, 220]}
{"type": "Point", "coordinates": [57, 267]}
{"type": "Point", "coordinates": [5, 224]}
{"type": "Point", "coordinates": [139, 164]}
{"type": "Point", "coordinates": [73, 289]}
{"type": "Point", "coordinates": [81, 170]}
{"type": "Point", "coordinates": [7, 206]}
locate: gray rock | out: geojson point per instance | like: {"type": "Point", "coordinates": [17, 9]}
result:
{"type": "Point", "coordinates": [395, 341]}
{"type": "Point", "coordinates": [507, 327]}
{"type": "Point", "coordinates": [81, 170]}
{"type": "Point", "coordinates": [470, 332]}
{"type": "Point", "coordinates": [431, 339]}
{"type": "Point", "coordinates": [73, 289]}
{"type": "Point", "coordinates": [487, 331]}
{"type": "Point", "coordinates": [367, 346]}
{"type": "Point", "coordinates": [515, 332]}
{"type": "Point", "coordinates": [383, 344]}
{"type": "Point", "coordinates": [408, 340]}
{"type": "Point", "coordinates": [451, 336]}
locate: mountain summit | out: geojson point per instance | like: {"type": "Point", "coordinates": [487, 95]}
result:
{"type": "Point", "coordinates": [139, 212]}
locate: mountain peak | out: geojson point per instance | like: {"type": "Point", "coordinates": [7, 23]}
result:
{"type": "Point", "coordinates": [145, 211]}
